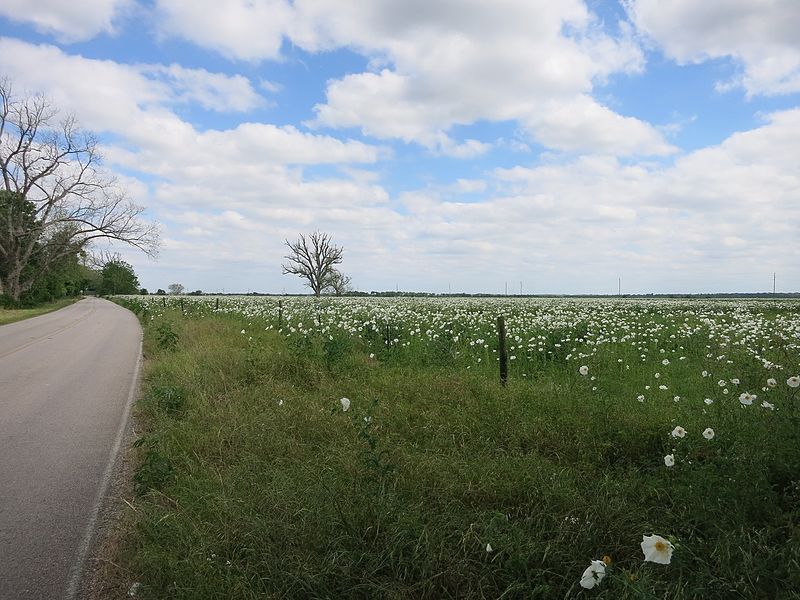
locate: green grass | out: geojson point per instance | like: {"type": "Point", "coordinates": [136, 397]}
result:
{"type": "Point", "coordinates": [242, 496]}
{"type": "Point", "coordinates": [11, 315]}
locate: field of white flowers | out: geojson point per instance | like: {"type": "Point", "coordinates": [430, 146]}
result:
{"type": "Point", "coordinates": [686, 413]}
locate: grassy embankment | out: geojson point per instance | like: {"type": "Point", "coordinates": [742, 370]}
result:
{"type": "Point", "coordinates": [256, 484]}
{"type": "Point", "coordinates": [10, 315]}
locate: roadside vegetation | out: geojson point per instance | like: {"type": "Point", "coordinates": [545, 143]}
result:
{"type": "Point", "coordinates": [365, 449]}
{"type": "Point", "coordinates": [11, 315]}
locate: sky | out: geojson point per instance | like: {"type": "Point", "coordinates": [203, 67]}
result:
{"type": "Point", "coordinates": [446, 145]}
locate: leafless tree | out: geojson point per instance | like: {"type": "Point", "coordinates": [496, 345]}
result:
{"type": "Point", "coordinates": [313, 258]}
{"type": "Point", "coordinates": [176, 289]}
{"type": "Point", "coordinates": [55, 199]}
{"type": "Point", "coordinates": [339, 283]}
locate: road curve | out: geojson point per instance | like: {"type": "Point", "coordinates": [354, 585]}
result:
{"type": "Point", "coordinates": [67, 379]}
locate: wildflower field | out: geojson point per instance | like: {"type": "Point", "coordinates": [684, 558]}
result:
{"type": "Point", "coordinates": [365, 448]}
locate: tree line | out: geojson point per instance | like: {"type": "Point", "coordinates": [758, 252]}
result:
{"type": "Point", "coordinates": [55, 201]}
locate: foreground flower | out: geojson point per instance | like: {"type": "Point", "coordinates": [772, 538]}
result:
{"type": "Point", "coordinates": [708, 433]}
{"type": "Point", "coordinates": [489, 548]}
{"type": "Point", "coordinates": [593, 574]}
{"type": "Point", "coordinates": [584, 370]}
{"type": "Point", "coordinates": [793, 381]}
{"type": "Point", "coordinates": [768, 405]}
{"type": "Point", "coordinates": [656, 549]}
{"type": "Point", "coordinates": [678, 432]}
{"type": "Point", "coordinates": [746, 398]}
{"type": "Point", "coordinates": [771, 382]}
{"type": "Point", "coordinates": [345, 404]}
{"type": "Point", "coordinates": [669, 460]}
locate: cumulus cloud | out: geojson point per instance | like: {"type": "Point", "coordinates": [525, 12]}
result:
{"type": "Point", "coordinates": [67, 21]}
{"type": "Point", "coordinates": [238, 29]}
{"type": "Point", "coordinates": [438, 65]}
{"type": "Point", "coordinates": [761, 36]}
{"type": "Point", "coordinates": [459, 63]}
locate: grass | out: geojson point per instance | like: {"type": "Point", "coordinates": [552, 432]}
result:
{"type": "Point", "coordinates": [11, 315]}
{"type": "Point", "coordinates": [254, 482]}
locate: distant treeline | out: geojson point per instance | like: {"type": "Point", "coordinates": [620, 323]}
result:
{"type": "Point", "coordinates": [396, 294]}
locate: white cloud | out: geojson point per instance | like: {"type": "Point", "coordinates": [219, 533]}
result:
{"type": "Point", "coordinates": [212, 91]}
{"type": "Point", "coordinates": [581, 124]}
{"type": "Point", "coordinates": [761, 35]}
{"type": "Point", "coordinates": [238, 29]}
{"type": "Point", "coordinates": [67, 21]}
{"type": "Point", "coordinates": [435, 66]}
{"type": "Point", "coordinates": [459, 63]}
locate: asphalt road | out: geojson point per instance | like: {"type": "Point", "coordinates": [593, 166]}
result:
{"type": "Point", "coordinates": [66, 383]}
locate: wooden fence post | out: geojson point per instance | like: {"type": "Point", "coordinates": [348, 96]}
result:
{"type": "Point", "coordinates": [503, 354]}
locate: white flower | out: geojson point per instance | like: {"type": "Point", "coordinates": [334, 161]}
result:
{"type": "Point", "coordinates": [489, 548]}
{"type": "Point", "coordinates": [669, 460]}
{"type": "Point", "coordinates": [593, 574]}
{"type": "Point", "coordinates": [345, 404]}
{"type": "Point", "coordinates": [663, 387]}
{"type": "Point", "coordinates": [708, 433]}
{"type": "Point", "coordinates": [372, 355]}
{"type": "Point", "coordinates": [793, 381]}
{"type": "Point", "coordinates": [280, 402]}
{"type": "Point", "coordinates": [722, 383]}
{"type": "Point", "coordinates": [746, 398]}
{"type": "Point", "coordinates": [640, 397]}
{"type": "Point", "coordinates": [771, 382]}
{"type": "Point", "coordinates": [678, 432]}
{"type": "Point", "coordinates": [676, 399]}
{"type": "Point", "coordinates": [656, 549]}
{"type": "Point", "coordinates": [735, 381]}
{"type": "Point", "coordinates": [708, 401]}
{"type": "Point", "coordinates": [657, 375]}
{"type": "Point", "coordinates": [665, 362]}
{"type": "Point", "coordinates": [242, 331]}
{"type": "Point", "coordinates": [584, 370]}
{"type": "Point", "coordinates": [705, 373]}
{"type": "Point", "coordinates": [367, 420]}
{"type": "Point", "coordinates": [768, 405]}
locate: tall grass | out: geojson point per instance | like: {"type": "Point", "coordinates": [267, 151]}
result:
{"type": "Point", "coordinates": [439, 483]}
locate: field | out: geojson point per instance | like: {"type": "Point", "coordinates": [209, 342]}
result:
{"type": "Point", "coordinates": [365, 448]}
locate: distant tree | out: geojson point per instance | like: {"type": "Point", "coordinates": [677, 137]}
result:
{"type": "Point", "coordinates": [313, 258]}
{"type": "Point", "coordinates": [144, 292]}
{"type": "Point", "coordinates": [117, 277]}
{"type": "Point", "coordinates": [339, 283]}
{"type": "Point", "coordinates": [55, 199]}
{"type": "Point", "coordinates": [160, 292]}
{"type": "Point", "coordinates": [195, 293]}
{"type": "Point", "coordinates": [176, 289]}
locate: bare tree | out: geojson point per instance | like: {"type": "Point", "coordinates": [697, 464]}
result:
{"type": "Point", "coordinates": [176, 289]}
{"type": "Point", "coordinates": [339, 283]}
{"type": "Point", "coordinates": [313, 259]}
{"type": "Point", "coordinates": [54, 198]}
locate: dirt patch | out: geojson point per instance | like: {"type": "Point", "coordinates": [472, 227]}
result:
{"type": "Point", "coordinates": [104, 577]}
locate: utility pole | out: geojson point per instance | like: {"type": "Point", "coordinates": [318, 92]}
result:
{"type": "Point", "coordinates": [619, 286]}
{"type": "Point", "coordinates": [506, 288]}
{"type": "Point", "coordinates": [520, 288]}
{"type": "Point", "coordinates": [773, 283]}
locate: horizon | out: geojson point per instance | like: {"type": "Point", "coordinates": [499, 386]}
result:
{"type": "Point", "coordinates": [444, 146]}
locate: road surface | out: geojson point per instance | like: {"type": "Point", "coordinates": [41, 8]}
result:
{"type": "Point", "coordinates": [67, 379]}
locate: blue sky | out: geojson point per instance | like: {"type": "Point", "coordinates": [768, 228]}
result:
{"type": "Point", "coordinates": [445, 145]}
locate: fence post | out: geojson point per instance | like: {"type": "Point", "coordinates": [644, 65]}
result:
{"type": "Point", "coordinates": [217, 306]}
{"type": "Point", "coordinates": [503, 354]}
{"type": "Point", "coordinates": [280, 314]}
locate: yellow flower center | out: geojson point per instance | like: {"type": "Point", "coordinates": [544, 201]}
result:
{"type": "Point", "coordinates": [606, 560]}
{"type": "Point", "coordinates": [661, 546]}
